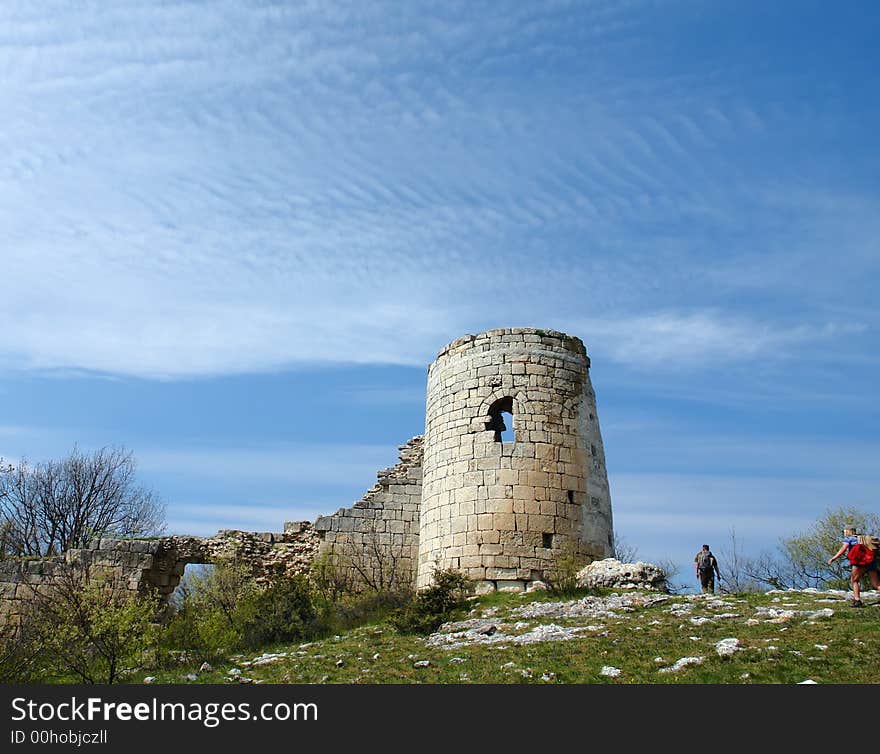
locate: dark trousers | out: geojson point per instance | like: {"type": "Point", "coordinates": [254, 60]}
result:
{"type": "Point", "coordinates": [707, 581]}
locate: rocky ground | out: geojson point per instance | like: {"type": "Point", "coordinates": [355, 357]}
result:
{"type": "Point", "coordinates": [623, 636]}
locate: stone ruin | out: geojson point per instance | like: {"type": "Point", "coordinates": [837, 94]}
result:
{"type": "Point", "coordinates": [499, 509]}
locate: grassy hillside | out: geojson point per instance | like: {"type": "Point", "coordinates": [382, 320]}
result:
{"type": "Point", "coordinates": [619, 637]}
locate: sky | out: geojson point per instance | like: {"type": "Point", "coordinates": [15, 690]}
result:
{"type": "Point", "coordinates": [233, 235]}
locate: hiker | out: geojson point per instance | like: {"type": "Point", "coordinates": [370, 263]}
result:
{"type": "Point", "coordinates": [707, 567]}
{"type": "Point", "coordinates": [862, 560]}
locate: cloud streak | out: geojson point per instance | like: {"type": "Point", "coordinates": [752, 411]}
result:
{"type": "Point", "coordinates": [191, 190]}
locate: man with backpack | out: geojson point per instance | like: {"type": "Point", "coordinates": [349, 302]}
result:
{"type": "Point", "coordinates": [707, 568]}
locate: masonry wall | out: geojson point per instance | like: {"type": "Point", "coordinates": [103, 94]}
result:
{"type": "Point", "coordinates": [504, 512]}
{"type": "Point", "coordinates": [157, 565]}
{"type": "Point", "coordinates": [376, 541]}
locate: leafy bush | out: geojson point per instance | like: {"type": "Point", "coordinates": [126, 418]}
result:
{"type": "Point", "coordinates": [90, 630]}
{"type": "Point", "coordinates": [206, 623]}
{"type": "Point", "coordinates": [19, 651]}
{"type": "Point", "coordinates": [562, 579]}
{"type": "Point", "coordinates": [434, 605]}
{"type": "Point", "coordinates": [283, 611]}
{"type": "Point", "coordinates": [226, 610]}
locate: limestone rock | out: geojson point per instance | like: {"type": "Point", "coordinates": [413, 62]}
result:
{"type": "Point", "coordinates": [726, 647]}
{"type": "Point", "coordinates": [612, 574]}
{"type": "Point", "coordinates": [681, 664]}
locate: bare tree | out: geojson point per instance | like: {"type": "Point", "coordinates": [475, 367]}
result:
{"type": "Point", "coordinates": [377, 562]}
{"type": "Point", "coordinates": [52, 506]}
{"type": "Point", "coordinates": [802, 560]}
{"type": "Point", "coordinates": [736, 568]}
{"type": "Point", "coordinates": [623, 550]}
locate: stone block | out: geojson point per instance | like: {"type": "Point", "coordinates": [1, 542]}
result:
{"type": "Point", "coordinates": [501, 573]}
{"type": "Point", "coordinates": [484, 587]}
{"type": "Point", "coordinates": [541, 523]}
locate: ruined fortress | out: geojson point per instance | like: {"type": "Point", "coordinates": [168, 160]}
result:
{"type": "Point", "coordinates": [465, 495]}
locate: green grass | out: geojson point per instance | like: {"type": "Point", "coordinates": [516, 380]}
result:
{"type": "Point", "coordinates": [783, 651]}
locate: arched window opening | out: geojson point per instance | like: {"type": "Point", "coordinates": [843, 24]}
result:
{"type": "Point", "coordinates": [501, 420]}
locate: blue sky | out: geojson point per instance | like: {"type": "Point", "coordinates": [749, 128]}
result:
{"type": "Point", "coordinates": [233, 235]}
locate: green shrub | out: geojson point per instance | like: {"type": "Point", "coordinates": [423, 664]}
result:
{"type": "Point", "coordinates": [90, 631]}
{"type": "Point", "coordinates": [206, 624]}
{"type": "Point", "coordinates": [434, 605]}
{"type": "Point", "coordinates": [20, 651]}
{"type": "Point", "coordinates": [561, 580]}
{"type": "Point", "coordinates": [283, 611]}
{"type": "Point", "coordinates": [227, 610]}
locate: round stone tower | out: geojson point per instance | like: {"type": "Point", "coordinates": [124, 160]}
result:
{"type": "Point", "coordinates": [502, 510]}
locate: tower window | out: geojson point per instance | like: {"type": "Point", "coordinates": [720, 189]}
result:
{"type": "Point", "coordinates": [501, 420]}
{"type": "Point", "coordinates": [547, 541]}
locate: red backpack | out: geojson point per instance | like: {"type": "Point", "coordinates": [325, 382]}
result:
{"type": "Point", "coordinates": [859, 555]}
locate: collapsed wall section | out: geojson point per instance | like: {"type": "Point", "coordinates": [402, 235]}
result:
{"type": "Point", "coordinates": [139, 566]}
{"type": "Point", "coordinates": [375, 543]}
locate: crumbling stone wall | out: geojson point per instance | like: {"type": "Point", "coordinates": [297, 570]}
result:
{"type": "Point", "coordinates": [376, 541]}
{"type": "Point", "coordinates": [139, 566]}
{"type": "Point", "coordinates": [504, 512]}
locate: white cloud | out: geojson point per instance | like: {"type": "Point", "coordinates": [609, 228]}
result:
{"type": "Point", "coordinates": [293, 464]}
{"type": "Point", "coordinates": [195, 189]}
{"type": "Point", "coordinates": [676, 340]}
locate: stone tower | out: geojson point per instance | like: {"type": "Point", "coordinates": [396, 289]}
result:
{"type": "Point", "coordinates": [503, 511]}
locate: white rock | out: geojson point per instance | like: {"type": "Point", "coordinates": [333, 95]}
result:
{"type": "Point", "coordinates": [825, 612]}
{"type": "Point", "coordinates": [422, 664]}
{"type": "Point", "coordinates": [727, 647]}
{"type": "Point", "coordinates": [206, 668]}
{"type": "Point", "coordinates": [808, 682]}
{"type": "Point", "coordinates": [681, 664]}
{"type": "Point", "coordinates": [612, 574]}
{"type": "Point", "coordinates": [610, 670]}
{"type": "Point", "coordinates": [150, 679]}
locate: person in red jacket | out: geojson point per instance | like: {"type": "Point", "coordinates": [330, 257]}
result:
{"type": "Point", "coordinates": [862, 560]}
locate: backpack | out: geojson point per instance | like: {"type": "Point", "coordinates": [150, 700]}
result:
{"type": "Point", "coordinates": [860, 555]}
{"type": "Point", "coordinates": [869, 541]}
{"type": "Point", "coordinates": [704, 560]}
